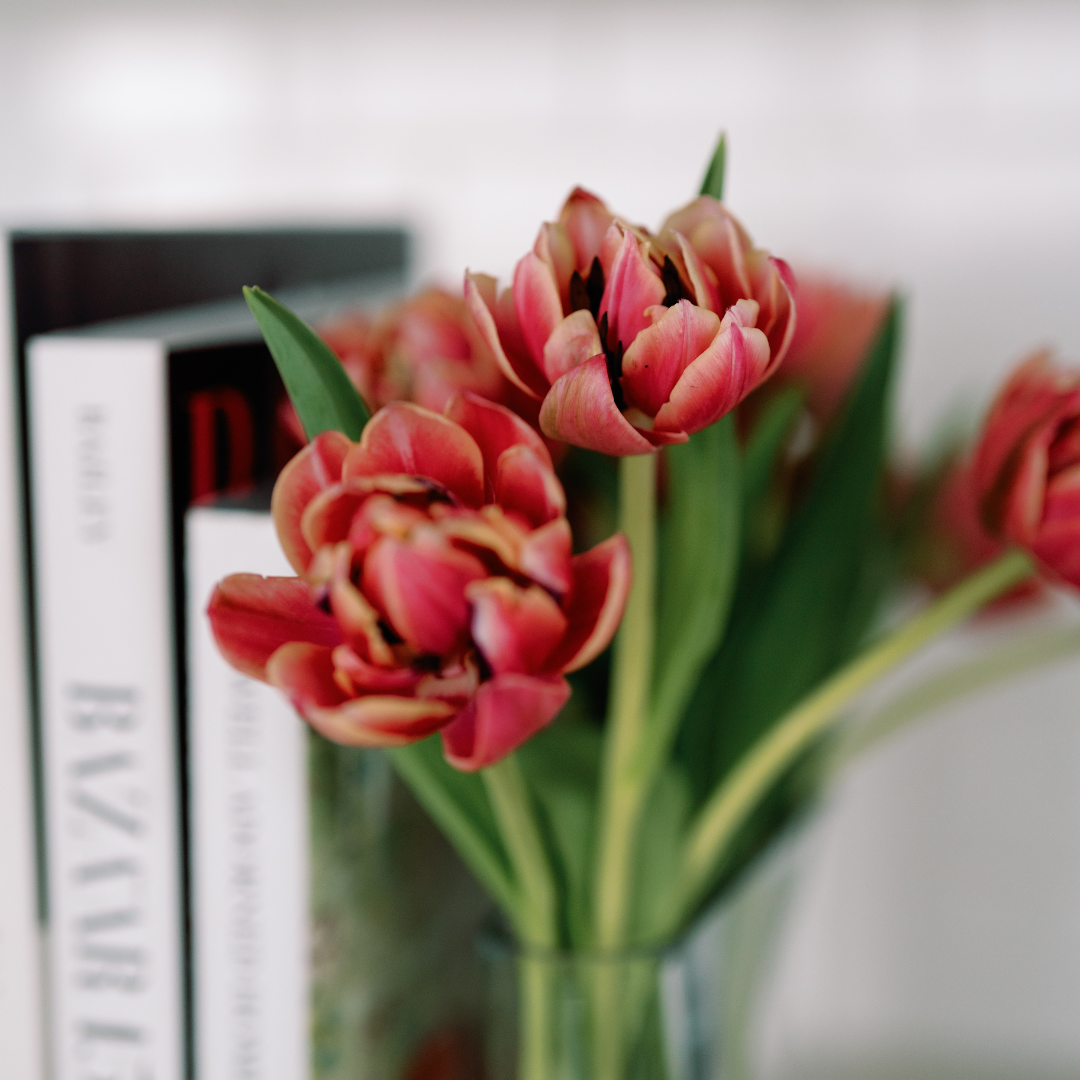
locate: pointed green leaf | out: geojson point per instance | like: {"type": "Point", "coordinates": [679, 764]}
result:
{"type": "Point", "coordinates": [324, 398]}
{"type": "Point", "coordinates": [562, 764]}
{"type": "Point", "coordinates": [655, 909]}
{"type": "Point", "coordinates": [713, 184]}
{"type": "Point", "coordinates": [699, 554]}
{"type": "Point", "coordinates": [804, 614]}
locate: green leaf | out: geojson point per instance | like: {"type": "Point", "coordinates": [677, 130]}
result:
{"type": "Point", "coordinates": [699, 555]}
{"type": "Point", "coordinates": [458, 802]}
{"type": "Point", "coordinates": [562, 764]}
{"type": "Point", "coordinates": [662, 831]}
{"type": "Point", "coordinates": [713, 184]}
{"type": "Point", "coordinates": [324, 398]}
{"type": "Point", "coordinates": [767, 439]}
{"type": "Point", "coordinates": [806, 613]}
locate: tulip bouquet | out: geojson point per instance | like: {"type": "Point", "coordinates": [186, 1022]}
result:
{"type": "Point", "coordinates": [719, 440]}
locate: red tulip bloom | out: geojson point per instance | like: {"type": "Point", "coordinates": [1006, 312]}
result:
{"type": "Point", "coordinates": [437, 588]}
{"type": "Point", "coordinates": [1027, 466]}
{"type": "Point", "coordinates": [423, 349]}
{"type": "Point", "coordinates": [633, 341]}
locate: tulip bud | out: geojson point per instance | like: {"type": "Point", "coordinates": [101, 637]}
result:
{"type": "Point", "coordinates": [1027, 466]}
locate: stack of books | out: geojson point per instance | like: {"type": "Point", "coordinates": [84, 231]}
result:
{"type": "Point", "coordinates": [223, 895]}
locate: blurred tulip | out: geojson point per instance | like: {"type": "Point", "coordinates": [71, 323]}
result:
{"type": "Point", "coordinates": [634, 341]}
{"type": "Point", "coordinates": [423, 350]}
{"type": "Point", "coordinates": [837, 325]}
{"type": "Point", "coordinates": [1027, 465]}
{"type": "Point", "coordinates": [953, 542]}
{"type": "Point", "coordinates": [437, 589]}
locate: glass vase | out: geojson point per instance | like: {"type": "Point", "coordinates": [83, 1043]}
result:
{"type": "Point", "coordinates": [681, 1012]}
{"type": "Point", "coordinates": [396, 987]}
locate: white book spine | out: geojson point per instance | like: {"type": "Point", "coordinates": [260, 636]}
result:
{"type": "Point", "coordinates": [20, 947]}
{"type": "Point", "coordinates": [249, 832]}
{"type": "Point", "coordinates": [103, 573]}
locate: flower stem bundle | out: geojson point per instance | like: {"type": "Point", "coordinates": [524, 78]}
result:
{"type": "Point", "coordinates": [724, 446]}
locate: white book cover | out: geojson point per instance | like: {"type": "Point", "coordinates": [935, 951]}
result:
{"type": "Point", "coordinates": [21, 1040]}
{"type": "Point", "coordinates": [249, 831]}
{"type": "Point", "coordinates": [100, 481]}
{"type": "Point", "coordinates": [113, 455]}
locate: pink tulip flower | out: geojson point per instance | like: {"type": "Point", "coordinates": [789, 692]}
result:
{"type": "Point", "coordinates": [633, 341]}
{"type": "Point", "coordinates": [423, 349]}
{"type": "Point", "coordinates": [437, 589]}
{"type": "Point", "coordinates": [1027, 465]}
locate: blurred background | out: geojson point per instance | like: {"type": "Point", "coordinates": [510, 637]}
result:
{"type": "Point", "coordinates": [934, 147]}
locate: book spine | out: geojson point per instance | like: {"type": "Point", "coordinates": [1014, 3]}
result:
{"type": "Point", "coordinates": [249, 834]}
{"type": "Point", "coordinates": [103, 572]}
{"type": "Point", "coordinates": [20, 943]}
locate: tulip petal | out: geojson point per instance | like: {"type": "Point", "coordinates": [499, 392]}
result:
{"type": "Point", "coordinates": [730, 246]}
{"type": "Point", "coordinates": [314, 469]}
{"type": "Point", "coordinates": [1014, 450]}
{"type": "Point", "coordinates": [536, 303]}
{"type": "Point", "coordinates": [580, 409]}
{"type": "Point", "coordinates": [326, 519]}
{"type": "Point", "coordinates": [515, 628]}
{"type": "Point", "coordinates": [702, 279]}
{"type": "Point", "coordinates": [774, 289]}
{"type": "Point", "coordinates": [305, 674]}
{"type": "Point", "coordinates": [370, 678]}
{"type": "Point", "coordinates": [554, 247]}
{"type": "Point", "coordinates": [1057, 546]}
{"type": "Point", "coordinates": [718, 379]}
{"type": "Point", "coordinates": [596, 603]}
{"type": "Point", "coordinates": [404, 438]}
{"type": "Point", "coordinates": [251, 617]}
{"type": "Point", "coordinates": [1062, 502]}
{"type": "Point", "coordinates": [420, 586]}
{"type": "Point", "coordinates": [632, 286]}
{"type": "Point", "coordinates": [572, 342]}
{"type": "Point", "coordinates": [661, 353]}
{"type": "Point", "coordinates": [523, 373]}
{"type": "Point", "coordinates": [332, 516]}
{"type": "Point", "coordinates": [524, 484]}
{"type": "Point", "coordinates": [507, 711]}
{"type": "Point", "coordinates": [381, 720]}
{"type": "Point", "coordinates": [490, 531]}
{"type": "Point", "coordinates": [545, 556]}
{"type": "Point", "coordinates": [495, 429]}
{"type": "Point", "coordinates": [721, 242]}
{"type": "Point", "coordinates": [358, 620]}
{"type": "Point", "coordinates": [1028, 399]}
{"type": "Point", "coordinates": [454, 684]}
{"type": "Point", "coordinates": [1021, 509]}
{"type": "Point", "coordinates": [586, 220]}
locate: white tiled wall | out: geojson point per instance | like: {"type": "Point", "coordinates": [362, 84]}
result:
{"type": "Point", "coordinates": [933, 145]}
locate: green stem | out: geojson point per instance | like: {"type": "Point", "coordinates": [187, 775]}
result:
{"type": "Point", "coordinates": [728, 808]}
{"type": "Point", "coordinates": [515, 813]}
{"type": "Point", "coordinates": [538, 1013]}
{"type": "Point", "coordinates": [621, 796]}
{"type": "Point", "coordinates": [537, 923]}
